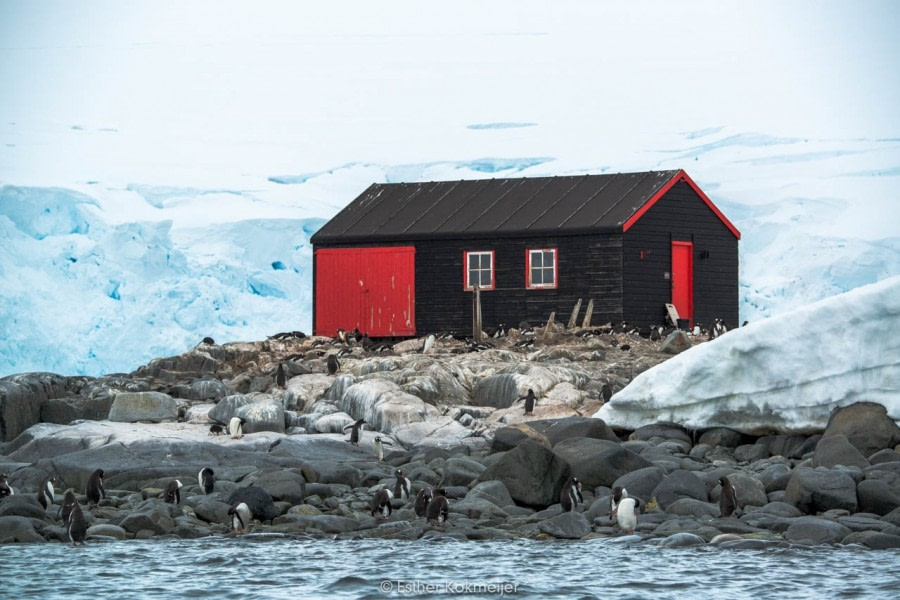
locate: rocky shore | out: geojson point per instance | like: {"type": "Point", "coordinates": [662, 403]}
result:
{"type": "Point", "coordinates": [455, 420]}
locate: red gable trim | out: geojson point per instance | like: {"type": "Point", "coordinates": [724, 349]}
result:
{"type": "Point", "coordinates": [680, 176]}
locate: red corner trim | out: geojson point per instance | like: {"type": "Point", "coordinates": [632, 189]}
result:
{"type": "Point", "coordinates": [680, 176]}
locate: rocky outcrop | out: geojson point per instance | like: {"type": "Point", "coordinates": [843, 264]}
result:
{"type": "Point", "coordinates": [155, 407]}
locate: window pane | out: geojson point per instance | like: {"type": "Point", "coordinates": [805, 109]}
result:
{"type": "Point", "coordinates": [486, 261]}
{"type": "Point", "coordinates": [485, 278]}
{"type": "Point", "coordinates": [536, 259]}
{"type": "Point", "coordinates": [473, 278]}
{"type": "Point", "coordinates": [548, 258]}
{"type": "Point", "coordinates": [535, 276]}
{"type": "Point", "coordinates": [473, 261]}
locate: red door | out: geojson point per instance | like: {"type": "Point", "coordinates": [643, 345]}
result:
{"type": "Point", "coordinates": [372, 289]}
{"type": "Point", "coordinates": [683, 279]}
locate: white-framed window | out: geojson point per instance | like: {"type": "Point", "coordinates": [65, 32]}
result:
{"type": "Point", "coordinates": [540, 268]}
{"type": "Point", "coordinates": [478, 269]}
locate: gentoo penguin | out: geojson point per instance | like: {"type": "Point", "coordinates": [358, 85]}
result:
{"type": "Point", "coordinates": [5, 490]}
{"type": "Point", "coordinates": [334, 365]}
{"type": "Point", "coordinates": [236, 427]}
{"type": "Point", "coordinates": [529, 401]}
{"type": "Point", "coordinates": [279, 376]}
{"type": "Point", "coordinates": [75, 526]}
{"type": "Point", "coordinates": [207, 480]}
{"type": "Point", "coordinates": [606, 392]}
{"type": "Point", "coordinates": [95, 491]}
{"type": "Point", "coordinates": [428, 344]}
{"type": "Point", "coordinates": [655, 334]}
{"type": "Point", "coordinates": [381, 503]}
{"type": "Point", "coordinates": [45, 492]}
{"type": "Point", "coordinates": [438, 509]}
{"type": "Point", "coordinates": [728, 497]}
{"type": "Point", "coordinates": [571, 494]}
{"type": "Point", "coordinates": [379, 447]}
{"type": "Point", "coordinates": [403, 486]}
{"type": "Point", "coordinates": [240, 517]}
{"type": "Point", "coordinates": [354, 432]}
{"type": "Point", "coordinates": [626, 514]}
{"type": "Point", "coordinates": [172, 494]}
{"type": "Point", "coordinates": [68, 503]}
{"type": "Point", "coordinates": [421, 502]}
{"type": "Point", "coordinates": [618, 493]}
{"type": "Point", "coordinates": [209, 341]}
{"type": "Point", "coordinates": [215, 429]}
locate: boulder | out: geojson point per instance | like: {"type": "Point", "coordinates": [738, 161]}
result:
{"type": "Point", "coordinates": [333, 423]}
{"type": "Point", "coordinates": [785, 444]}
{"type": "Point", "coordinates": [460, 471]}
{"type": "Point", "coordinates": [281, 485]}
{"type": "Point", "coordinates": [507, 438]}
{"type": "Point", "coordinates": [152, 515]}
{"type": "Point", "coordinates": [816, 530]}
{"type": "Point", "coordinates": [641, 483]}
{"type": "Point", "coordinates": [666, 431]}
{"type": "Point", "coordinates": [23, 396]}
{"type": "Point", "coordinates": [207, 389]}
{"type": "Point", "coordinates": [836, 450]}
{"type": "Point", "coordinates": [866, 426]}
{"type": "Point", "coordinates": [877, 496]}
{"type": "Point", "coordinates": [227, 407]}
{"type": "Point", "coordinates": [507, 385]}
{"type": "Point", "coordinates": [532, 474]}
{"type": "Point", "coordinates": [676, 343]}
{"type": "Point", "coordinates": [21, 505]}
{"type": "Point", "coordinates": [17, 530]}
{"type": "Point", "coordinates": [682, 540]}
{"type": "Point", "coordinates": [385, 406]}
{"type": "Point", "coordinates": [156, 407]}
{"type": "Point", "coordinates": [75, 408]}
{"type": "Point", "coordinates": [492, 491]}
{"type": "Point", "coordinates": [107, 530]}
{"type": "Point", "coordinates": [883, 456]}
{"type": "Point", "coordinates": [679, 484]}
{"type": "Point", "coordinates": [212, 510]}
{"type": "Point", "coordinates": [558, 430]}
{"type": "Point", "coordinates": [688, 507]}
{"type": "Point", "coordinates": [303, 391]}
{"type": "Point", "coordinates": [475, 508]}
{"type": "Point", "coordinates": [873, 539]}
{"type": "Point", "coordinates": [750, 491]}
{"type": "Point", "coordinates": [263, 414]}
{"type": "Point", "coordinates": [721, 436]}
{"type": "Point", "coordinates": [598, 462]}
{"type": "Point", "coordinates": [819, 490]}
{"type": "Point", "coordinates": [566, 526]}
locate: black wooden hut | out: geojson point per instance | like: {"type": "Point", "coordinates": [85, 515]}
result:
{"type": "Point", "coordinates": [403, 259]}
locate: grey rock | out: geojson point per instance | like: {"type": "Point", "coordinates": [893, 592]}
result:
{"type": "Point", "coordinates": [263, 414]}
{"type": "Point", "coordinates": [461, 471]}
{"type": "Point", "coordinates": [680, 484]}
{"type": "Point", "coordinates": [557, 430]}
{"type": "Point", "coordinates": [666, 431]}
{"type": "Point", "coordinates": [786, 444]}
{"type": "Point", "coordinates": [877, 496]}
{"type": "Point", "coordinates": [676, 342]}
{"type": "Point", "coordinates": [152, 516]}
{"type": "Point", "coordinates": [14, 529]}
{"type": "Point", "coordinates": [227, 407]}
{"type": "Point", "coordinates": [507, 438]}
{"type": "Point", "coordinates": [598, 462]}
{"type": "Point", "coordinates": [567, 525]}
{"type": "Point", "coordinates": [836, 450]}
{"type": "Point", "coordinates": [105, 529]}
{"type": "Point", "coordinates": [474, 508]}
{"type": "Point", "coordinates": [819, 490]}
{"type": "Point", "coordinates": [492, 491]}
{"type": "Point", "coordinates": [816, 530]}
{"type": "Point", "coordinates": [131, 407]}
{"type": "Point", "coordinates": [780, 509]}
{"type": "Point", "coordinates": [873, 539]}
{"type": "Point", "coordinates": [721, 436]}
{"type": "Point", "coordinates": [212, 510]}
{"type": "Point", "coordinates": [207, 389]}
{"type": "Point", "coordinates": [682, 540]}
{"type": "Point", "coordinates": [259, 502]}
{"type": "Point", "coordinates": [642, 482]}
{"type": "Point", "coordinates": [866, 426]}
{"type": "Point", "coordinates": [21, 505]}
{"type": "Point", "coordinates": [532, 474]}
{"type": "Point", "coordinates": [750, 491]}
{"type": "Point", "coordinates": [883, 456]}
{"type": "Point", "coordinates": [689, 507]}
{"type": "Point", "coordinates": [281, 485]}
{"type": "Point", "coordinates": [75, 408]}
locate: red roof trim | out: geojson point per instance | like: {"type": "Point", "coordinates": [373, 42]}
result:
{"type": "Point", "coordinates": [680, 176]}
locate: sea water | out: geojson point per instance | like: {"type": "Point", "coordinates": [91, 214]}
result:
{"type": "Point", "coordinates": [267, 567]}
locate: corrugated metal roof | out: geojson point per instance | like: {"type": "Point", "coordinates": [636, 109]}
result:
{"type": "Point", "coordinates": [497, 207]}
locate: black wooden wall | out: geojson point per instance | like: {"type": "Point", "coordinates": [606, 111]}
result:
{"type": "Point", "coordinates": [681, 215]}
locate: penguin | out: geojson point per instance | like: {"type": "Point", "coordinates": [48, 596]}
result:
{"type": "Point", "coordinates": [428, 344]}
{"type": "Point", "coordinates": [618, 493]}
{"type": "Point", "coordinates": [420, 504]}
{"type": "Point", "coordinates": [529, 401]}
{"type": "Point", "coordinates": [606, 392]}
{"type": "Point", "coordinates": [207, 480]}
{"type": "Point", "coordinates": [279, 376]}
{"type": "Point", "coordinates": [334, 365]}
{"type": "Point", "coordinates": [5, 490]}
{"type": "Point", "coordinates": [366, 342]}
{"type": "Point", "coordinates": [45, 492]}
{"type": "Point", "coordinates": [728, 497]}
{"type": "Point", "coordinates": [570, 495]}
{"type": "Point", "coordinates": [76, 526]}
{"type": "Point", "coordinates": [342, 336]}
{"type": "Point", "coordinates": [354, 432]}
{"type": "Point", "coordinates": [655, 334]}
{"type": "Point", "coordinates": [215, 429]}
{"type": "Point", "coordinates": [626, 514]}
{"type": "Point", "coordinates": [172, 494]}
{"type": "Point", "coordinates": [379, 447]}
{"type": "Point", "coordinates": [240, 517]}
{"type": "Point", "coordinates": [381, 503]}
{"type": "Point", "coordinates": [95, 491]}
{"type": "Point", "coordinates": [438, 509]}
{"type": "Point", "coordinates": [236, 427]}
{"type": "Point", "coordinates": [209, 341]}
{"type": "Point", "coordinates": [68, 503]}
{"type": "Point", "coordinates": [403, 487]}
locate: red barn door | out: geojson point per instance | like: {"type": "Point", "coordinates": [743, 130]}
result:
{"type": "Point", "coordinates": [369, 288]}
{"type": "Point", "coordinates": [683, 279]}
